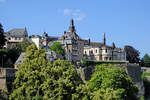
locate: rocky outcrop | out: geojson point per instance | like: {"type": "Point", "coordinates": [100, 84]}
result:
{"type": "Point", "coordinates": [135, 73]}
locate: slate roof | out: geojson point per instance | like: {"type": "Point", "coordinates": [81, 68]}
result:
{"type": "Point", "coordinates": [52, 38]}
{"type": "Point", "coordinates": [96, 44]}
{"type": "Point", "coordinates": [17, 32]}
{"type": "Point", "coordinates": [20, 59]}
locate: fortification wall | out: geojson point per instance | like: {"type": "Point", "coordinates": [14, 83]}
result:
{"type": "Point", "coordinates": [7, 76]}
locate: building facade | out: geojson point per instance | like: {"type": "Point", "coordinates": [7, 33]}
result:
{"type": "Point", "coordinates": [15, 36]}
{"type": "Point", "coordinates": [102, 52]}
{"type": "Point", "coordinates": [75, 48]}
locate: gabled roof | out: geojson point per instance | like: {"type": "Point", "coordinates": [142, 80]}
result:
{"type": "Point", "coordinates": [53, 38]}
{"type": "Point", "coordinates": [20, 59]}
{"type": "Point", "coordinates": [17, 32]}
{"type": "Point", "coordinates": [96, 44]}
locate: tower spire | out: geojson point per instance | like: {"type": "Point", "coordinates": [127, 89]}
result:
{"type": "Point", "coordinates": [71, 22]}
{"type": "Point", "coordinates": [104, 39]}
{"type": "Point", "coordinates": [71, 27]}
{"type": "Point", "coordinates": [113, 45]}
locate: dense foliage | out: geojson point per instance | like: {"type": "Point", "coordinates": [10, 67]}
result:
{"type": "Point", "coordinates": [145, 76]}
{"type": "Point", "coordinates": [57, 47]}
{"type": "Point", "coordinates": [112, 83]}
{"type": "Point", "coordinates": [146, 60]}
{"type": "Point", "coordinates": [8, 57]}
{"type": "Point", "coordinates": [5, 60]}
{"type": "Point", "coordinates": [132, 55]}
{"type": "Point", "coordinates": [37, 78]}
{"type": "Point", "coordinates": [2, 37]}
{"type": "Point", "coordinates": [23, 45]}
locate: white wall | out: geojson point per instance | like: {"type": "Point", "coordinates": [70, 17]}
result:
{"type": "Point", "coordinates": [36, 40]}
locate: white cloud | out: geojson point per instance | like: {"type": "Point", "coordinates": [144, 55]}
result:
{"type": "Point", "coordinates": [67, 11]}
{"type": "Point", "coordinates": [77, 14]}
{"type": "Point", "coordinates": [2, 0]}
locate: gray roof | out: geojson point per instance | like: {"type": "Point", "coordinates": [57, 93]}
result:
{"type": "Point", "coordinates": [52, 38]}
{"type": "Point", "coordinates": [35, 36]}
{"type": "Point", "coordinates": [17, 32]}
{"type": "Point", "coordinates": [20, 59]}
{"type": "Point", "coordinates": [96, 44]}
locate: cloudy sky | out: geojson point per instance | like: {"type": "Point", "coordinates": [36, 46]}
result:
{"type": "Point", "coordinates": [126, 22]}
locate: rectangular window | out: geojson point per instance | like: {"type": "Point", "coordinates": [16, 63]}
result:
{"type": "Point", "coordinates": [106, 50]}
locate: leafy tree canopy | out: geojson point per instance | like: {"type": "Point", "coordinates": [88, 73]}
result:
{"type": "Point", "coordinates": [132, 55]}
{"type": "Point", "coordinates": [23, 45]}
{"type": "Point", "coordinates": [37, 78]}
{"type": "Point", "coordinates": [57, 47]}
{"type": "Point", "coordinates": [113, 83]}
{"type": "Point", "coordinates": [2, 37]}
{"type": "Point", "coordinates": [146, 60]}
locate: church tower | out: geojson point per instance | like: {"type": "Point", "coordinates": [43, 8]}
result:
{"type": "Point", "coordinates": [104, 39]}
{"type": "Point", "coordinates": [71, 27]}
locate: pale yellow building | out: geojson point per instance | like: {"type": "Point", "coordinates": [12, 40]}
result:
{"type": "Point", "coordinates": [102, 52]}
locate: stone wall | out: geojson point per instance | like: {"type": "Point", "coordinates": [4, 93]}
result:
{"type": "Point", "coordinates": [135, 73]}
{"type": "Point", "coordinates": [7, 76]}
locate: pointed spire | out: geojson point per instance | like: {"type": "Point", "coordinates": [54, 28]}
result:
{"type": "Point", "coordinates": [72, 22]}
{"type": "Point", "coordinates": [25, 32]}
{"type": "Point", "coordinates": [113, 45]}
{"type": "Point", "coordinates": [104, 39]}
{"type": "Point", "coordinates": [71, 27]}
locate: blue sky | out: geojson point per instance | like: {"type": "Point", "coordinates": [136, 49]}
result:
{"type": "Point", "coordinates": [126, 22]}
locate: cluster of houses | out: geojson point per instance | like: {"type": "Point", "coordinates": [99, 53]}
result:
{"type": "Point", "coordinates": [75, 47]}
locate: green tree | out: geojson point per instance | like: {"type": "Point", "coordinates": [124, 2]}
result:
{"type": "Point", "coordinates": [62, 81]}
{"type": "Point", "coordinates": [146, 60]}
{"type": "Point", "coordinates": [84, 62]}
{"type": "Point", "coordinates": [113, 82]}
{"type": "Point", "coordinates": [132, 55]}
{"type": "Point", "coordinates": [30, 75]}
{"type": "Point", "coordinates": [57, 47]}
{"type": "Point", "coordinates": [36, 78]}
{"type": "Point", "coordinates": [2, 37]}
{"type": "Point", "coordinates": [23, 45]}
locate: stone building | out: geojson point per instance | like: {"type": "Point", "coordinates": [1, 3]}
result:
{"type": "Point", "coordinates": [75, 48]}
{"type": "Point", "coordinates": [73, 44]}
{"type": "Point", "coordinates": [100, 51]}
{"type": "Point", "coordinates": [15, 36]}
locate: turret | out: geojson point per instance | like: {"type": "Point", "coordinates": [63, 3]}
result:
{"type": "Point", "coordinates": [71, 27]}
{"type": "Point", "coordinates": [104, 39]}
{"type": "Point", "coordinates": [89, 41]}
{"type": "Point", "coordinates": [25, 32]}
{"type": "Point", "coordinates": [113, 45]}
